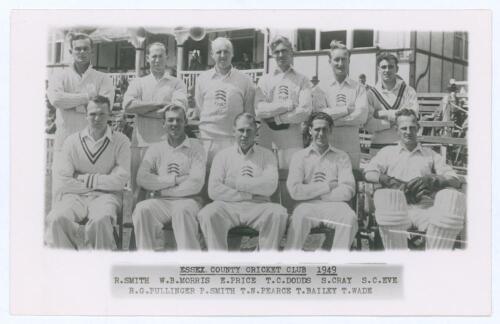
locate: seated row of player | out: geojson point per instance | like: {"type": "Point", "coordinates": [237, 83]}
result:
{"type": "Point", "coordinates": [94, 168]}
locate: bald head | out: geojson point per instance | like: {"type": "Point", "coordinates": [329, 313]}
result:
{"type": "Point", "coordinates": [222, 54]}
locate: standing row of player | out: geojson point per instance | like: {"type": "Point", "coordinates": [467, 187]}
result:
{"type": "Point", "coordinates": [282, 101]}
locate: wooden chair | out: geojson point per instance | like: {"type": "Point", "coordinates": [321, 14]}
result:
{"type": "Point", "coordinates": [429, 103]}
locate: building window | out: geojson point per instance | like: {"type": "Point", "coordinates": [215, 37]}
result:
{"type": "Point", "coordinates": [362, 38]}
{"type": "Point", "coordinates": [460, 46]}
{"type": "Point", "coordinates": [326, 38]}
{"type": "Point", "coordinates": [306, 39]}
{"type": "Point", "coordinates": [126, 56]}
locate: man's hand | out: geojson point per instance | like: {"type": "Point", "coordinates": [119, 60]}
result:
{"type": "Point", "coordinates": [350, 109]}
{"type": "Point", "coordinates": [81, 177]}
{"type": "Point", "coordinates": [421, 186]}
{"type": "Point", "coordinates": [333, 184]}
{"type": "Point", "coordinates": [81, 109]}
{"type": "Point", "coordinates": [380, 114]}
{"type": "Point", "coordinates": [180, 179]}
{"type": "Point", "coordinates": [391, 182]}
{"type": "Point", "coordinates": [193, 113]}
{"type": "Point", "coordinates": [287, 104]}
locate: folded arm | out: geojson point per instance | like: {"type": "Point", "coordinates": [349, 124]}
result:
{"type": "Point", "coordinates": [295, 183]}
{"type": "Point", "coordinates": [265, 184]}
{"type": "Point", "coordinates": [193, 182]}
{"type": "Point", "coordinates": [345, 189]}
{"type": "Point", "coordinates": [218, 189]}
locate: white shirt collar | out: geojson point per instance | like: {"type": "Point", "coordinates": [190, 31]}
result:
{"type": "Point", "coordinates": [86, 133]}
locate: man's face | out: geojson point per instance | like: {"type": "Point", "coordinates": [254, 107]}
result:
{"type": "Point", "coordinates": [175, 123]}
{"type": "Point", "coordinates": [362, 80]}
{"type": "Point", "coordinates": [387, 70]}
{"type": "Point", "coordinates": [157, 59]}
{"type": "Point", "coordinates": [81, 50]}
{"type": "Point", "coordinates": [283, 56]}
{"type": "Point", "coordinates": [407, 129]}
{"type": "Point", "coordinates": [319, 132]}
{"type": "Point", "coordinates": [340, 62]}
{"type": "Point", "coordinates": [97, 115]}
{"type": "Point", "coordinates": [244, 133]}
{"type": "Point", "coordinates": [222, 55]}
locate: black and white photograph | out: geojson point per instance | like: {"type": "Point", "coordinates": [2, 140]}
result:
{"type": "Point", "coordinates": [324, 157]}
{"type": "Point", "coordinates": [256, 139]}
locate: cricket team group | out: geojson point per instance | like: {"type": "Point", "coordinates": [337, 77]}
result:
{"type": "Point", "coordinates": [205, 186]}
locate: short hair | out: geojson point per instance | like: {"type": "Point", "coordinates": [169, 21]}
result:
{"type": "Point", "coordinates": [99, 100]}
{"type": "Point", "coordinates": [159, 45]}
{"type": "Point", "coordinates": [73, 36]}
{"type": "Point", "coordinates": [247, 116]}
{"type": "Point", "coordinates": [174, 108]}
{"type": "Point", "coordinates": [406, 112]}
{"type": "Point", "coordinates": [224, 41]}
{"type": "Point", "coordinates": [319, 115]}
{"type": "Point", "coordinates": [386, 56]}
{"type": "Point", "coordinates": [278, 39]}
{"type": "Point", "coordinates": [335, 44]}
{"type": "Point", "coordinates": [362, 75]}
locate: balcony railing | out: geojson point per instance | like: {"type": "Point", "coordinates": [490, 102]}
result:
{"type": "Point", "coordinates": [189, 77]}
{"type": "Point", "coordinates": [116, 77]}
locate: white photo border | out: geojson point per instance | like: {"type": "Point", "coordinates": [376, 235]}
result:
{"type": "Point", "coordinates": [48, 282]}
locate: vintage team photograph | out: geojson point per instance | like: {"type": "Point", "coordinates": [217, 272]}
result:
{"type": "Point", "coordinates": [175, 138]}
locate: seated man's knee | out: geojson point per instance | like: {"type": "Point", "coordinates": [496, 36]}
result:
{"type": "Point", "coordinates": [141, 209]}
{"type": "Point", "coordinates": [209, 212]}
{"type": "Point", "coordinates": [100, 219]}
{"type": "Point", "coordinates": [188, 208]}
{"type": "Point", "coordinates": [59, 216]}
{"type": "Point", "coordinates": [301, 211]}
{"type": "Point", "coordinates": [390, 207]}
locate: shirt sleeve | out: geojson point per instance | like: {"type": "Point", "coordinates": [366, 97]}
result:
{"type": "Point", "coordinates": [440, 166]}
{"type": "Point", "coordinates": [378, 164]}
{"type": "Point", "coordinates": [266, 183]}
{"type": "Point", "coordinates": [179, 96]}
{"type": "Point", "coordinates": [195, 178]}
{"type": "Point", "coordinates": [359, 115]}
{"type": "Point", "coordinates": [198, 94]}
{"type": "Point", "coordinates": [411, 100]}
{"type": "Point", "coordinates": [147, 175]}
{"type": "Point", "coordinates": [298, 189]}
{"type": "Point", "coordinates": [62, 99]}
{"type": "Point", "coordinates": [346, 185]}
{"type": "Point", "coordinates": [249, 98]}
{"type": "Point", "coordinates": [373, 124]}
{"type": "Point", "coordinates": [302, 110]}
{"type": "Point", "coordinates": [120, 175]}
{"type": "Point", "coordinates": [264, 106]}
{"type": "Point", "coordinates": [319, 102]}
{"type": "Point", "coordinates": [217, 188]}
{"type": "Point", "coordinates": [65, 171]}
{"type": "Point", "coordinates": [133, 95]}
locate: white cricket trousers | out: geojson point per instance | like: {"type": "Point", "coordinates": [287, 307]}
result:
{"type": "Point", "coordinates": [63, 222]}
{"type": "Point", "coordinates": [336, 215]}
{"type": "Point", "coordinates": [218, 217]}
{"type": "Point", "coordinates": [150, 216]}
